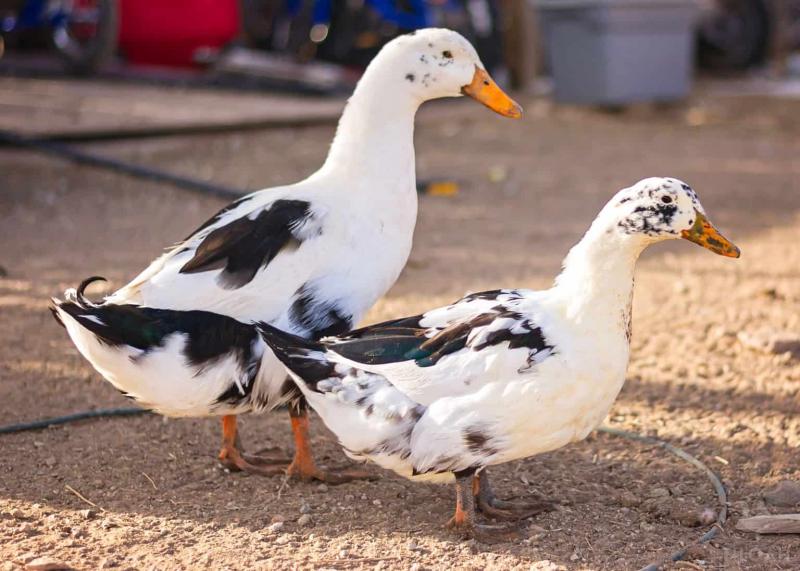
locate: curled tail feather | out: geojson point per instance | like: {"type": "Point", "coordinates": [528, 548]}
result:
{"type": "Point", "coordinates": [78, 295]}
{"type": "Point", "coordinates": [74, 296]}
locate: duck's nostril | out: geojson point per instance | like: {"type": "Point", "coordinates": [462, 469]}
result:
{"type": "Point", "coordinates": [486, 82]}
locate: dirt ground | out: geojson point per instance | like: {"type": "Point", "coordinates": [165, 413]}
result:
{"type": "Point", "coordinates": [529, 189]}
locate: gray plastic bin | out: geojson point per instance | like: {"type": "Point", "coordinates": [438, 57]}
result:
{"type": "Point", "coordinates": [612, 52]}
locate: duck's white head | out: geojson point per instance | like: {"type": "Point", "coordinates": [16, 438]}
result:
{"type": "Point", "coordinates": [433, 63]}
{"type": "Point", "coordinates": [657, 209]}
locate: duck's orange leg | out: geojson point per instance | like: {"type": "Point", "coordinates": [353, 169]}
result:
{"type": "Point", "coordinates": [303, 466]}
{"type": "Point", "coordinates": [265, 463]}
{"type": "Point", "coordinates": [273, 462]}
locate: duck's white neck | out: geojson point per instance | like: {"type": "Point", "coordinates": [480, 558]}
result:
{"type": "Point", "coordinates": [596, 284]}
{"type": "Point", "coordinates": [375, 136]}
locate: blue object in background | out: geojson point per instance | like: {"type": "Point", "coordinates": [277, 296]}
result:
{"type": "Point", "coordinates": [36, 14]}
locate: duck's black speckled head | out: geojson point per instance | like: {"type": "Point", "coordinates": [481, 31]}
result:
{"type": "Point", "coordinates": [433, 63]}
{"type": "Point", "coordinates": [664, 208]}
{"type": "Point", "coordinates": [656, 207]}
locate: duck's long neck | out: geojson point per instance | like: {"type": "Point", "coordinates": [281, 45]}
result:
{"type": "Point", "coordinates": [596, 285]}
{"type": "Point", "coordinates": [375, 136]}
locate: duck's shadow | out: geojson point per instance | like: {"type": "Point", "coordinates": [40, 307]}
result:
{"type": "Point", "coordinates": [166, 472]}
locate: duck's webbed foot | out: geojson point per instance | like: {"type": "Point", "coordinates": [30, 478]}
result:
{"type": "Point", "coordinates": [274, 462]}
{"type": "Point", "coordinates": [266, 462]}
{"type": "Point", "coordinates": [464, 520]}
{"type": "Point", "coordinates": [496, 508]}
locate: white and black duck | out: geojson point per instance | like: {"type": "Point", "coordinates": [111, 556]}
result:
{"type": "Point", "coordinates": [310, 258]}
{"type": "Point", "coordinates": [498, 375]}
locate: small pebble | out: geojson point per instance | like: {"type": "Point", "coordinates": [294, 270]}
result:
{"type": "Point", "coordinates": [785, 494]}
{"type": "Point", "coordinates": [535, 530]}
{"type": "Point", "coordinates": [46, 564]}
{"type": "Point", "coordinates": [282, 540]}
{"type": "Point", "coordinates": [277, 518]}
{"type": "Point", "coordinates": [629, 499]}
{"type": "Point", "coordinates": [87, 514]}
{"type": "Point", "coordinates": [658, 493]}
{"type": "Point", "coordinates": [275, 527]}
{"type": "Point", "coordinates": [322, 488]}
{"type": "Point", "coordinates": [305, 509]}
{"type": "Point", "coordinates": [304, 520]}
{"type": "Point", "coordinates": [376, 502]}
{"type": "Point", "coordinates": [775, 342]}
{"type": "Point", "coordinates": [50, 461]}
{"type": "Point", "coordinates": [685, 516]}
{"type": "Point", "coordinates": [497, 173]}
{"type": "Point", "coordinates": [707, 516]}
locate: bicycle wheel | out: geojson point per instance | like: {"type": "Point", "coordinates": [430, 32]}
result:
{"type": "Point", "coordinates": [733, 34]}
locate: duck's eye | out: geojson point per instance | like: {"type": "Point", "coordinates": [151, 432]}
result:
{"type": "Point", "coordinates": [666, 199]}
{"type": "Point", "coordinates": [447, 54]}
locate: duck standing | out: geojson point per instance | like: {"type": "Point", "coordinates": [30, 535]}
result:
{"type": "Point", "coordinates": [498, 375]}
{"type": "Point", "coordinates": [310, 258]}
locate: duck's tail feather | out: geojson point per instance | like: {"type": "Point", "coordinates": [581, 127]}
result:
{"type": "Point", "coordinates": [306, 360]}
{"type": "Point", "coordinates": [74, 301]}
{"type": "Point", "coordinates": [179, 363]}
{"type": "Point", "coordinates": [79, 293]}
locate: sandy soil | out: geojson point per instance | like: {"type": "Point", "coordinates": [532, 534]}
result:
{"type": "Point", "coordinates": [529, 190]}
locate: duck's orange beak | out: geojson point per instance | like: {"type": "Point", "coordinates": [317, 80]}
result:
{"type": "Point", "coordinates": [705, 234]}
{"type": "Point", "coordinates": [485, 90]}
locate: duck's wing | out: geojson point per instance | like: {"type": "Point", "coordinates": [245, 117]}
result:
{"type": "Point", "coordinates": [180, 363]}
{"type": "Point", "coordinates": [404, 394]}
{"type": "Point", "coordinates": [236, 249]}
{"type": "Point", "coordinates": [453, 349]}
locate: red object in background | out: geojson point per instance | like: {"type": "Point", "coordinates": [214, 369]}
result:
{"type": "Point", "coordinates": [168, 32]}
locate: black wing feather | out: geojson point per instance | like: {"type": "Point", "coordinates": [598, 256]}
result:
{"type": "Point", "coordinates": [244, 246]}
{"type": "Point", "coordinates": [210, 335]}
{"type": "Point", "coordinates": [406, 340]}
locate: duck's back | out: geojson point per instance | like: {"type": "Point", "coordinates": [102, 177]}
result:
{"type": "Point", "coordinates": [299, 256]}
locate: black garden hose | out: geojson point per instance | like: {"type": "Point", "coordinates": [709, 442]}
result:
{"type": "Point", "coordinates": [719, 488]}
{"type": "Point", "coordinates": [86, 158]}
{"type": "Point", "coordinates": [66, 419]}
